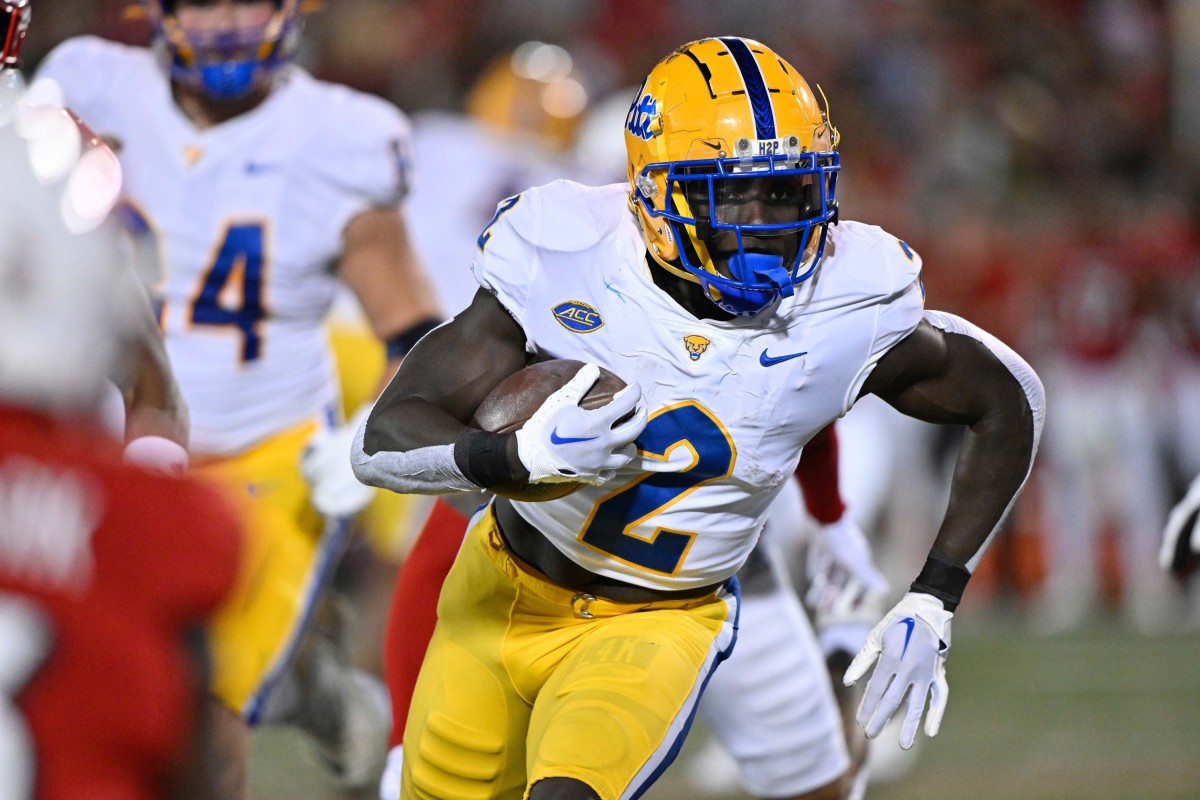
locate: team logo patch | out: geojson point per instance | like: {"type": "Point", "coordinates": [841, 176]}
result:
{"type": "Point", "coordinates": [696, 345]}
{"type": "Point", "coordinates": [578, 317]}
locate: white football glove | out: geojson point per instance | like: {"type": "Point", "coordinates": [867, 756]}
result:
{"type": "Point", "coordinates": [1182, 524]}
{"type": "Point", "coordinates": [837, 555]}
{"type": "Point", "coordinates": [326, 466]}
{"type": "Point", "coordinates": [845, 591]}
{"type": "Point", "coordinates": [157, 453]}
{"type": "Point", "coordinates": [911, 643]}
{"type": "Point", "coordinates": [562, 442]}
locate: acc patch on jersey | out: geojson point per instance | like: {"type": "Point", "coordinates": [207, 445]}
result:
{"type": "Point", "coordinates": [578, 317]}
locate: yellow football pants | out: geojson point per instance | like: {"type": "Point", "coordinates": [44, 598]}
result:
{"type": "Point", "coordinates": [283, 534]}
{"type": "Point", "coordinates": [518, 685]}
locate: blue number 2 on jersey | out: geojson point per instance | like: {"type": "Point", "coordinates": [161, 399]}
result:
{"type": "Point", "coordinates": [504, 206]}
{"type": "Point", "coordinates": [611, 528]}
{"type": "Point", "coordinates": [238, 265]}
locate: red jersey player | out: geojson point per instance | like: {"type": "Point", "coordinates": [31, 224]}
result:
{"type": "Point", "coordinates": [107, 573]}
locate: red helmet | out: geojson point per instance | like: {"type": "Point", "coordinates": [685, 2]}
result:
{"type": "Point", "coordinates": [14, 21]}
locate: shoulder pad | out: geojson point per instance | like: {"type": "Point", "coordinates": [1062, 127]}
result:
{"type": "Point", "coordinates": [361, 142]}
{"type": "Point", "coordinates": [564, 216]}
{"type": "Point", "coordinates": [85, 66]}
{"type": "Point", "coordinates": [874, 259]}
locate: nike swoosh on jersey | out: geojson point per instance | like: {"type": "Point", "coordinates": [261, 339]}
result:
{"type": "Point", "coordinates": [770, 361]}
{"type": "Point", "coordinates": [556, 439]}
{"type": "Point", "coordinates": [911, 623]}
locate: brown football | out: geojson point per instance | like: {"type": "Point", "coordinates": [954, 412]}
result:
{"type": "Point", "coordinates": [514, 401]}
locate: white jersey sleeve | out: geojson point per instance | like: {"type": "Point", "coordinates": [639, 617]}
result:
{"type": "Point", "coordinates": [891, 282]}
{"type": "Point", "coordinates": [530, 226]}
{"type": "Point", "coordinates": [364, 149]}
{"type": "Point", "coordinates": [72, 66]}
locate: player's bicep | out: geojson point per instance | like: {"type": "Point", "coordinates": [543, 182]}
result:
{"type": "Point", "coordinates": [938, 377]}
{"type": "Point", "coordinates": [444, 378]}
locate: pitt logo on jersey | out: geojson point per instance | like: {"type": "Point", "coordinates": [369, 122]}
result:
{"type": "Point", "coordinates": [696, 345]}
{"type": "Point", "coordinates": [578, 317]}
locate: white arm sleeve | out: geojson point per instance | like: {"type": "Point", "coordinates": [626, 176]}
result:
{"type": "Point", "coordinates": [1030, 384]}
{"type": "Point", "coordinates": [426, 470]}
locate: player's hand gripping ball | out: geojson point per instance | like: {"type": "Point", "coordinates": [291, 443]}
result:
{"type": "Point", "coordinates": [554, 436]}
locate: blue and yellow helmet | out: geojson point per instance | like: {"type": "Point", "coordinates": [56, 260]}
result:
{"type": "Point", "coordinates": [232, 62]}
{"type": "Point", "coordinates": [732, 170]}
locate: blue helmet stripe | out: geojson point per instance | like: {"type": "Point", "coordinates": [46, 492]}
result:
{"type": "Point", "coordinates": [756, 87]}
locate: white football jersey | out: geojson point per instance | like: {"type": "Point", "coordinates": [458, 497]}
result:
{"type": "Point", "coordinates": [247, 217]}
{"type": "Point", "coordinates": [731, 402]}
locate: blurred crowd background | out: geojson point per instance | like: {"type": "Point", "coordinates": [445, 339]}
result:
{"type": "Point", "coordinates": [1043, 158]}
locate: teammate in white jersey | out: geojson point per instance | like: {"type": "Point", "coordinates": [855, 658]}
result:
{"type": "Point", "coordinates": [576, 635]}
{"type": "Point", "coordinates": [259, 188]}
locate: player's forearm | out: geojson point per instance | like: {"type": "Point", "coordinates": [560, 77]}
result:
{"type": "Point", "coordinates": [412, 446]}
{"type": "Point", "coordinates": [153, 404]}
{"type": "Point", "coordinates": [994, 461]}
{"type": "Point", "coordinates": [410, 423]}
{"type": "Point", "coordinates": [995, 457]}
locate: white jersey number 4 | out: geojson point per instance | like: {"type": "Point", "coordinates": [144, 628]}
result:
{"type": "Point", "coordinates": [231, 290]}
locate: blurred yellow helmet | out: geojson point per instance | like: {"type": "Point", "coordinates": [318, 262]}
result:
{"type": "Point", "coordinates": [722, 129]}
{"type": "Point", "coordinates": [532, 91]}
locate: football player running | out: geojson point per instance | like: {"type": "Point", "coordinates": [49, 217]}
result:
{"type": "Point", "coordinates": [259, 187]}
{"type": "Point", "coordinates": [777, 715]}
{"type": "Point", "coordinates": [575, 636]}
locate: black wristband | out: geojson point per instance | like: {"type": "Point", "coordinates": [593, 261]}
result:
{"type": "Point", "coordinates": [398, 346]}
{"type": "Point", "coordinates": [944, 578]}
{"type": "Point", "coordinates": [482, 458]}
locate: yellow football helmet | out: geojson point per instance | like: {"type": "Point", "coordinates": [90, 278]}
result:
{"type": "Point", "coordinates": [732, 171]}
{"type": "Point", "coordinates": [531, 91]}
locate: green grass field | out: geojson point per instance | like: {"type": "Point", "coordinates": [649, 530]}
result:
{"type": "Point", "coordinates": [1099, 715]}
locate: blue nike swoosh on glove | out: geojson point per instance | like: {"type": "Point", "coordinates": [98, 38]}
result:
{"type": "Point", "coordinates": [911, 623]}
{"type": "Point", "coordinates": [556, 439]}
